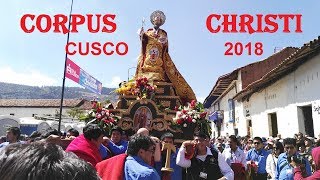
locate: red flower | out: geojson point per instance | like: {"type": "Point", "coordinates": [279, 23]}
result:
{"type": "Point", "coordinates": [193, 104]}
{"type": "Point", "coordinates": [203, 115]}
{"type": "Point", "coordinates": [94, 105]}
{"type": "Point", "coordinates": [189, 119]}
{"type": "Point", "coordinates": [106, 121]}
{"type": "Point", "coordinates": [179, 121]}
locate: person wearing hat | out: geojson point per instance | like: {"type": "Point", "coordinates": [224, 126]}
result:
{"type": "Point", "coordinates": [155, 63]}
{"type": "Point", "coordinates": [269, 146]}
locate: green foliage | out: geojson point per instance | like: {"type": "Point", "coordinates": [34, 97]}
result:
{"type": "Point", "coordinates": [75, 113]}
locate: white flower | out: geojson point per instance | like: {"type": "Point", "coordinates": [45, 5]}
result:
{"type": "Point", "coordinates": [185, 125]}
{"type": "Point", "coordinates": [92, 114]}
{"type": "Point", "coordinates": [194, 121]}
{"type": "Point", "coordinates": [184, 116]}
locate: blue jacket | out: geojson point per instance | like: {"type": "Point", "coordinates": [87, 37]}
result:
{"type": "Point", "coordinates": [118, 149]}
{"type": "Point", "coordinates": [260, 157]}
{"type": "Point", "coordinates": [177, 170]}
{"type": "Point", "coordinates": [136, 169]}
{"type": "Point", "coordinates": [285, 171]}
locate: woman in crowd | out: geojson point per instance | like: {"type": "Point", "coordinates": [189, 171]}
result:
{"type": "Point", "coordinates": [273, 159]}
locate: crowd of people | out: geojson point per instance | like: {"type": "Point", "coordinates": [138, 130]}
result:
{"type": "Point", "coordinates": [97, 155]}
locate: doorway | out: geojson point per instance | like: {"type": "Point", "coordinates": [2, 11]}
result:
{"type": "Point", "coordinates": [305, 120]}
{"type": "Point", "coordinates": [249, 127]}
{"type": "Point", "coordinates": [236, 132]}
{"type": "Point", "coordinates": [273, 124]}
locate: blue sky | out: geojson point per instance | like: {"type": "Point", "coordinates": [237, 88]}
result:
{"type": "Point", "coordinates": [38, 58]}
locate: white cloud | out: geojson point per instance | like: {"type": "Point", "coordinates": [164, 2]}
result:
{"type": "Point", "coordinates": [30, 77]}
{"type": "Point", "coordinates": [201, 99]}
{"type": "Point", "coordinates": [114, 82]}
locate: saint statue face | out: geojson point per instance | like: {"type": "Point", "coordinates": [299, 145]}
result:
{"type": "Point", "coordinates": [157, 21]}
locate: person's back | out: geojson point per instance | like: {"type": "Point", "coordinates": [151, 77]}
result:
{"type": "Point", "coordinates": [86, 146]}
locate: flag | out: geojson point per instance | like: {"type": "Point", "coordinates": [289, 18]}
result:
{"type": "Point", "coordinates": [78, 75]}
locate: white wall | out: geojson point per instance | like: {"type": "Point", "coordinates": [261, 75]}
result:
{"type": "Point", "coordinates": [27, 112]}
{"type": "Point", "coordinates": [226, 127]}
{"type": "Point", "coordinates": [240, 120]}
{"type": "Point", "coordinates": [316, 117]}
{"type": "Point", "coordinates": [300, 88]}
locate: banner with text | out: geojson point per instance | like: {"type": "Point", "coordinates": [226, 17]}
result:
{"type": "Point", "coordinates": [78, 75]}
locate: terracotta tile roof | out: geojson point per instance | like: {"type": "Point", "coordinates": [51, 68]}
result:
{"type": "Point", "coordinates": [249, 74]}
{"type": "Point", "coordinates": [44, 103]}
{"type": "Point", "coordinates": [299, 57]}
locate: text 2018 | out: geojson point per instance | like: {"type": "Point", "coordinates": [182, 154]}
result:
{"type": "Point", "coordinates": [238, 48]}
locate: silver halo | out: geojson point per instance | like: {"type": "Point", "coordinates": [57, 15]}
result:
{"type": "Point", "coordinates": [160, 14]}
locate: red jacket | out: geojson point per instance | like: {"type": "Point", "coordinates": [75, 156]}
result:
{"type": "Point", "coordinates": [112, 168]}
{"type": "Point", "coordinates": [85, 150]}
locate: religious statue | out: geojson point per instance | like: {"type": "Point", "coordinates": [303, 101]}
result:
{"type": "Point", "coordinates": [155, 62]}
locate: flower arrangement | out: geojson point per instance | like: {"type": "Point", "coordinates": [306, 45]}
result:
{"type": "Point", "coordinates": [101, 116]}
{"type": "Point", "coordinates": [126, 88]}
{"type": "Point", "coordinates": [141, 87]}
{"type": "Point", "coordinates": [192, 115]}
{"type": "Point", "coordinates": [144, 89]}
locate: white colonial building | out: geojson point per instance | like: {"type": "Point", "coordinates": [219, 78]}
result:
{"type": "Point", "coordinates": [277, 95]}
{"type": "Point", "coordinates": [39, 114]}
{"type": "Point", "coordinates": [32, 107]}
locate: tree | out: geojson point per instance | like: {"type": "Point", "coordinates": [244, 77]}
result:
{"type": "Point", "coordinates": [75, 112]}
